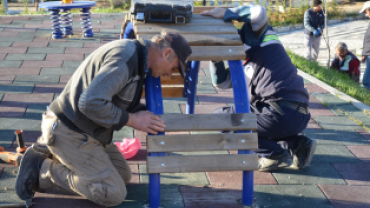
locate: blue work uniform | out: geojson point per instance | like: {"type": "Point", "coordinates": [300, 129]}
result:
{"type": "Point", "coordinates": [276, 92]}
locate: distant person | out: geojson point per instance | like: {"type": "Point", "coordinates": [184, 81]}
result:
{"type": "Point", "coordinates": [366, 50]}
{"type": "Point", "coordinates": [314, 23]}
{"type": "Point", "coordinates": [346, 62]}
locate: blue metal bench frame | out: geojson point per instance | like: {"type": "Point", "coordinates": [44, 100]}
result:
{"type": "Point", "coordinates": [154, 103]}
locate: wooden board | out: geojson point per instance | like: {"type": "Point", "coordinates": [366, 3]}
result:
{"type": "Point", "coordinates": [198, 10]}
{"type": "Point", "coordinates": [201, 142]}
{"type": "Point", "coordinates": [169, 91]}
{"type": "Point", "coordinates": [209, 122]}
{"type": "Point", "coordinates": [175, 79]}
{"type": "Point", "coordinates": [216, 53]}
{"type": "Point", "coordinates": [204, 20]}
{"type": "Point", "coordinates": [184, 29]}
{"type": "Point", "coordinates": [202, 163]}
{"type": "Point", "coordinates": [206, 39]}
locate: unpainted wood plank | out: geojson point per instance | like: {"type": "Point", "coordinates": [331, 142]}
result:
{"type": "Point", "coordinates": [209, 122]}
{"type": "Point", "coordinates": [184, 29]}
{"type": "Point", "coordinates": [206, 39]}
{"type": "Point", "coordinates": [204, 21]}
{"type": "Point", "coordinates": [202, 163]}
{"type": "Point", "coordinates": [198, 10]}
{"type": "Point", "coordinates": [201, 142]}
{"type": "Point", "coordinates": [170, 91]}
{"type": "Point", "coordinates": [216, 53]}
{"type": "Point", "coordinates": [175, 79]}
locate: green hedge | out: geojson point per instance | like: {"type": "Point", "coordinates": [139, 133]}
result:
{"type": "Point", "coordinates": [338, 80]}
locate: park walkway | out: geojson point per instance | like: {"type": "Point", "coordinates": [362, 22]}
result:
{"type": "Point", "coordinates": [34, 70]}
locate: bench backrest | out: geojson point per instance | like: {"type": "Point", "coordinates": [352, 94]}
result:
{"type": "Point", "coordinates": [204, 142]}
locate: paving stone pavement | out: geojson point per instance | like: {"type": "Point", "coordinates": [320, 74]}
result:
{"type": "Point", "coordinates": [34, 70]}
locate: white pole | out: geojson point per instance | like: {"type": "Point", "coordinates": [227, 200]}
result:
{"type": "Point", "coordinates": [327, 32]}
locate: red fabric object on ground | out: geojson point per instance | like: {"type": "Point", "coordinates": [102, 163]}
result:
{"type": "Point", "coordinates": [128, 147]}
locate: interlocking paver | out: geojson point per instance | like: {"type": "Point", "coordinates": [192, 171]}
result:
{"type": "Point", "coordinates": [212, 197]}
{"type": "Point", "coordinates": [42, 63]}
{"type": "Point", "coordinates": [19, 123]}
{"type": "Point", "coordinates": [332, 137]}
{"type": "Point", "coordinates": [125, 132]}
{"type": "Point", "coordinates": [317, 108]}
{"type": "Point", "coordinates": [313, 125]}
{"type": "Point", "coordinates": [329, 99]}
{"type": "Point", "coordinates": [11, 111]}
{"type": "Point", "coordinates": [314, 88]}
{"type": "Point", "coordinates": [290, 196]}
{"type": "Point", "coordinates": [35, 111]}
{"type": "Point", "coordinates": [48, 88]}
{"type": "Point", "coordinates": [233, 179]}
{"type": "Point", "coordinates": [8, 34]}
{"type": "Point", "coordinates": [93, 45]}
{"type": "Point", "coordinates": [66, 44]}
{"type": "Point", "coordinates": [9, 64]}
{"type": "Point", "coordinates": [57, 70]}
{"type": "Point", "coordinates": [347, 109]}
{"type": "Point", "coordinates": [137, 196]}
{"type": "Point", "coordinates": [45, 50]}
{"type": "Point", "coordinates": [79, 50]}
{"type": "Point", "coordinates": [361, 152]}
{"type": "Point", "coordinates": [71, 63]}
{"type": "Point", "coordinates": [16, 88]}
{"type": "Point", "coordinates": [64, 79]}
{"type": "Point", "coordinates": [20, 57]}
{"type": "Point", "coordinates": [13, 50]}
{"type": "Point", "coordinates": [364, 134]}
{"type": "Point", "coordinates": [17, 28]}
{"type": "Point", "coordinates": [65, 57]}
{"type": "Point", "coordinates": [7, 138]}
{"type": "Point", "coordinates": [347, 196]}
{"type": "Point", "coordinates": [337, 123]}
{"type": "Point", "coordinates": [17, 38]}
{"type": "Point", "coordinates": [28, 98]}
{"type": "Point", "coordinates": [6, 21]}
{"type": "Point", "coordinates": [2, 56]}
{"type": "Point", "coordinates": [8, 179]}
{"type": "Point", "coordinates": [5, 44]}
{"type": "Point", "coordinates": [38, 79]}
{"type": "Point", "coordinates": [22, 22]}
{"type": "Point", "coordinates": [314, 174]}
{"type": "Point", "coordinates": [196, 179]}
{"type": "Point", "coordinates": [30, 44]}
{"type": "Point", "coordinates": [354, 174]}
{"type": "Point", "coordinates": [20, 71]}
{"type": "Point", "coordinates": [331, 154]}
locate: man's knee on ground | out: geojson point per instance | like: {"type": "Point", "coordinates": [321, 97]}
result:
{"type": "Point", "coordinates": [107, 195]}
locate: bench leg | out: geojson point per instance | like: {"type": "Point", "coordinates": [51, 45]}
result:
{"type": "Point", "coordinates": [191, 89]}
{"type": "Point", "coordinates": [86, 23]}
{"type": "Point", "coordinates": [154, 103]}
{"type": "Point", "coordinates": [241, 100]}
{"type": "Point", "coordinates": [56, 33]}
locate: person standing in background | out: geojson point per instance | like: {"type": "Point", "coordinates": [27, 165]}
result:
{"type": "Point", "coordinates": [314, 23]}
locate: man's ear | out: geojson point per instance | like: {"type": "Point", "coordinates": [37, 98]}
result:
{"type": "Point", "coordinates": [167, 52]}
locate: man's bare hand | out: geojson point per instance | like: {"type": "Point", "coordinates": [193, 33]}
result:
{"type": "Point", "coordinates": [146, 121]}
{"type": "Point", "coordinates": [363, 59]}
{"type": "Point", "coordinates": [217, 13]}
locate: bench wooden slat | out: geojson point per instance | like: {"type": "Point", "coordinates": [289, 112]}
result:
{"type": "Point", "coordinates": [169, 91]}
{"type": "Point", "coordinates": [209, 122]}
{"type": "Point", "coordinates": [201, 142]}
{"type": "Point", "coordinates": [206, 39]}
{"type": "Point", "coordinates": [184, 29]}
{"type": "Point", "coordinates": [202, 163]}
{"type": "Point", "coordinates": [216, 53]}
{"type": "Point", "coordinates": [197, 21]}
{"type": "Point", "coordinates": [175, 79]}
{"type": "Point", "coordinates": [198, 10]}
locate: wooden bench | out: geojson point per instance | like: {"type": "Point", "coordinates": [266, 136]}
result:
{"type": "Point", "coordinates": [209, 38]}
{"type": "Point", "coordinates": [202, 142]}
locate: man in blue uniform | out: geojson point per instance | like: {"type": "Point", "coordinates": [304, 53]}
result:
{"type": "Point", "coordinates": [314, 22]}
{"type": "Point", "coordinates": [277, 94]}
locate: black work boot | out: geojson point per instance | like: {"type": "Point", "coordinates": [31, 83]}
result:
{"type": "Point", "coordinates": [275, 162]}
{"type": "Point", "coordinates": [28, 175]}
{"type": "Point", "coordinates": [304, 152]}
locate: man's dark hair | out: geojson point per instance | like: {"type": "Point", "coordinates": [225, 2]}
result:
{"type": "Point", "coordinates": [316, 2]}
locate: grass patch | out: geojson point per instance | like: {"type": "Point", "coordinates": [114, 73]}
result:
{"type": "Point", "coordinates": [340, 81]}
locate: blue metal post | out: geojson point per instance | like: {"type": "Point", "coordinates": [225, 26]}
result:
{"type": "Point", "coordinates": [241, 100]}
{"type": "Point", "coordinates": [192, 87]}
{"type": "Point", "coordinates": [186, 78]}
{"type": "Point", "coordinates": [154, 103]}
